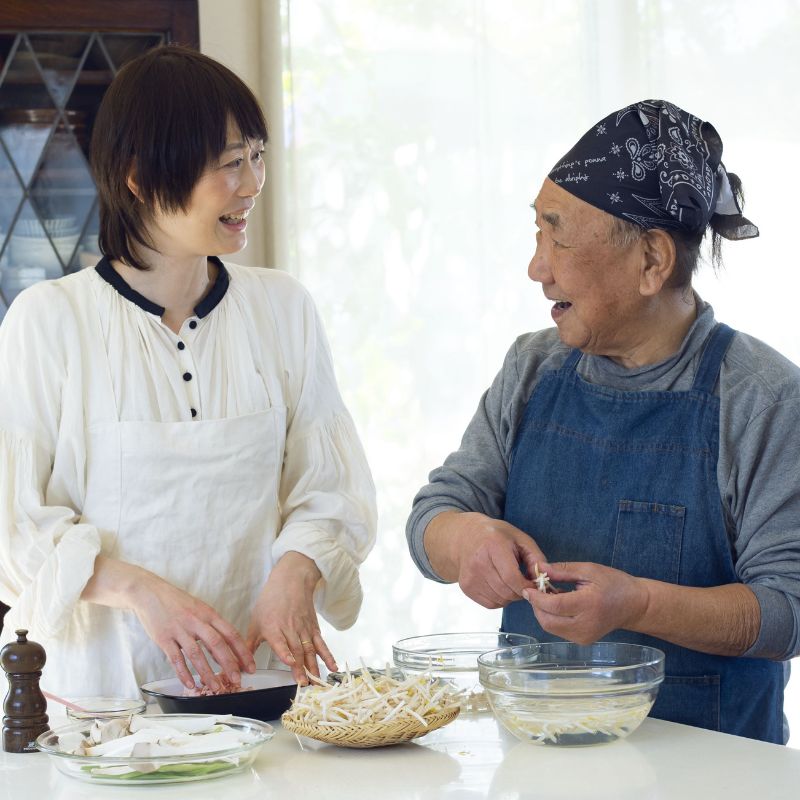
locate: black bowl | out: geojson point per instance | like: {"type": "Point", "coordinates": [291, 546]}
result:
{"type": "Point", "coordinates": [268, 694]}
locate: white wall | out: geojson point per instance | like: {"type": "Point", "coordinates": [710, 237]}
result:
{"type": "Point", "coordinates": [245, 36]}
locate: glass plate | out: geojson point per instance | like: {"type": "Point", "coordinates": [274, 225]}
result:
{"type": "Point", "coordinates": [130, 770]}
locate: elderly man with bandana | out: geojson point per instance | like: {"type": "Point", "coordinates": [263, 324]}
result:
{"type": "Point", "coordinates": [641, 453]}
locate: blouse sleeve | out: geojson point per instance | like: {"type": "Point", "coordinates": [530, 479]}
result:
{"type": "Point", "coordinates": [326, 493]}
{"type": "Point", "coordinates": [46, 558]}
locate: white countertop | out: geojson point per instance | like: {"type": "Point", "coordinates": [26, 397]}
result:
{"type": "Point", "coordinates": [471, 758]}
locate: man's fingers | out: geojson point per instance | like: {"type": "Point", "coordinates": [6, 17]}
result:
{"type": "Point", "coordinates": [556, 604]}
{"type": "Point", "coordinates": [532, 559]}
{"type": "Point", "coordinates": [569, 571]}
{"type": "Point", "coordinates": [483, 593]}
{"type": "Point", "coordinates": [509, 581]}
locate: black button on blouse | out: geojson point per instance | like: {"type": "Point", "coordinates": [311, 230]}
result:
{"type": "Point", "coordinates": [181, 345]}
{"type": "Point", "coordinates": [193, 324]}
{"type": "Point", "coordinates": [187, 376]}
{"type": "Point", "coordinates": [194, 411]}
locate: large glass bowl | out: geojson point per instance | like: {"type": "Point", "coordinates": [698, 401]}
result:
{"type": "Point", "coordinates": [561, 693]}
{"type": "Point", "coordinates": [131, 770]}
{"type": "Point", "coordinates": [453, 658]}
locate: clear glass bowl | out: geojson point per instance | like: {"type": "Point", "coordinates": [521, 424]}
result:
{"type": "Point", "coordinates": [104, 707]}
{"type": "Point", "coordinates": [561, 693]}
{"type": "Point", "coordinates": [131, 770]}
{"type": "Point", "coordinates": [453, 658]}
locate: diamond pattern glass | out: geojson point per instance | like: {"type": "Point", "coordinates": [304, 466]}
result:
{"type": "Point", "coordinates": [50, 87]}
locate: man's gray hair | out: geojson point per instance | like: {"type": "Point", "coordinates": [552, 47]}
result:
{"type": "Point", "coordinates": [622, 233]}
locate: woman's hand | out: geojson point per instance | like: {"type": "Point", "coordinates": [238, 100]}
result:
{"type": "Point", "coordinates": [483, 554]}
{"type": "Point", "coordinates": [603, 600]}
{"type": "Point", "coordinates": [180, 624]}
{"type": "Point", "coordinates": [284, 617]}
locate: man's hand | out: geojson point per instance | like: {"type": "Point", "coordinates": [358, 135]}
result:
{"type": "Point", "coordinates": [284, 617]}
{"type": "Point", "coordinates": [721, 620]}
{"type": "Point", "coordinates": [483, 554]}
{"type": "Point", "coordinates": [604, 599]}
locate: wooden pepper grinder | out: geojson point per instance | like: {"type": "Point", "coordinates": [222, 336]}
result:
{"type": "Point", "coordinates": [25, 705]}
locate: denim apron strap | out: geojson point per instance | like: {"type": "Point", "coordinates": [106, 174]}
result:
{"type": "Point", "coordinates": [714, 352]}
{"type": "Point", "coordinates": [571, 361]}
{"type": "Point", "coordinates": [628, 479]}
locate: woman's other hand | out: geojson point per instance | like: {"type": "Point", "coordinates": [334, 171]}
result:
{"type": "Point", "coordinates": [284, 617]}
{"type": "Point", "coordinates": [180, 624]}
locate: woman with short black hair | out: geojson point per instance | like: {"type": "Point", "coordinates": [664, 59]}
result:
{"type": "Point", "coordinates": [180, 481]}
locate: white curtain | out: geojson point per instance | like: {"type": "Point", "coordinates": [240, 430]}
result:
{"type": "Point", "coordinates": [415, 135]}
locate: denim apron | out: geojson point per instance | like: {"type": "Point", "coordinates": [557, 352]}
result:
{"type": "Point", "coordinates": [629, 479]}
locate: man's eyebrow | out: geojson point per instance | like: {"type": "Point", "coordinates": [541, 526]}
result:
{"type": "Point", "coordinates": [552, 219]}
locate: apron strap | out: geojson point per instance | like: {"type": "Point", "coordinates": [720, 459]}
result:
{"type": "Point", "coordinates": [572, 360]}
{"type": "Point", "coordinates": [716, 347]}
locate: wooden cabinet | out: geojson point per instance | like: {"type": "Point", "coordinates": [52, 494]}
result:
{"type": "Point", "coordinates": [56, 60]}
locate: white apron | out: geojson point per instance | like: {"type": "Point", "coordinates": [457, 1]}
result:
{"type": "Point", "coordinates": [211, 536]}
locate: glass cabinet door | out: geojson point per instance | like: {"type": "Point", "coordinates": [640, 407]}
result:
{"type": "Point", "coordinates": [50, 87]}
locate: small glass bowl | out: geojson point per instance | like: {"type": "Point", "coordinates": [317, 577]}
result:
{"type": "Point", "coordinates": [141, 770]}
{"type": "Point", "coordinates": [453, 658]}
{"type": "Point", "coordinates": [561, 693]}
{"type": "Point", "coordinates": [105, 707]}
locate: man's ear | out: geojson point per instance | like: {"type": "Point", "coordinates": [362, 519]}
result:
{"type": "Point", "coordinates": [658, 261]}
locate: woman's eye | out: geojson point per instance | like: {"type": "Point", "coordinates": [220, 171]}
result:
{"type": "Point", "coordinates": [236, 163]}
{"type": "Point", "coordinates": [258, 155]}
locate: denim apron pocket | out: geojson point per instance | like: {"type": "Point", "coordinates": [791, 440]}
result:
{"type": "Point", "coordinates": [648, 539]}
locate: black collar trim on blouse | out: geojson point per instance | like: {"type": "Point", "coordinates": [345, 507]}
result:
{"type": "Point", "coordinates": [202, 309]}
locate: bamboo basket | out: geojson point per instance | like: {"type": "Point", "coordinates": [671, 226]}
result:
{"type": "Point", "coordinates": [374, 734]}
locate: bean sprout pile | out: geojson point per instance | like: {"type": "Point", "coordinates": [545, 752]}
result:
{"type": "Point", "coordinates": [364, 698]}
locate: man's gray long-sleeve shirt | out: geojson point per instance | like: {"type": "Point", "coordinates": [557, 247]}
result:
{"type": "Point", "coordinates": [758, 470]}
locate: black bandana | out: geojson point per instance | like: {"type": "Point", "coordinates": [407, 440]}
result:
{"type": "Point", "coordinates": [657, 166]}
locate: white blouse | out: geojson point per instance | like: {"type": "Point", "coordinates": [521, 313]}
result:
{"type": "Point", "coordinates": [255, 342]}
